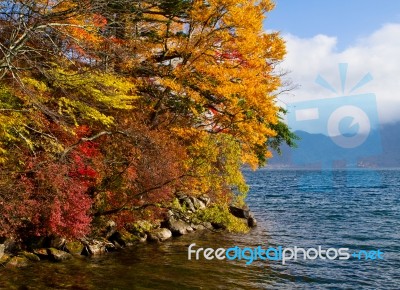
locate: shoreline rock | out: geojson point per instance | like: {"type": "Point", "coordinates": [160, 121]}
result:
{"type": "Point", "coordinates": [244, 213]}
{"type": "Point", "coordinates": [181, 219]}
{"type": "Point", "coordinates": [96, 247]}
{"type": "Point", "coordinates": [74, 247]}
{"type": "Point", "coordinates": [58, 255]}
{"type": "Point", "coordinates": [30, 256]}
{"type": "Point", "coordinates": [159, 235]}
{"type": "Point", "coordinates": [17, 261]}
{"type": "Point", "coordinates": [178, 227]}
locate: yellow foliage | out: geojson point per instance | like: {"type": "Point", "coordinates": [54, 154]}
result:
{"type": "Point", "coordinates": [216, 164]}
{"type": "Point", "coordinates": [92, 95]}
{"type": "Point", "coordinates": [220, 214]}
{"type": "Point", "coordinates": [226, 66]}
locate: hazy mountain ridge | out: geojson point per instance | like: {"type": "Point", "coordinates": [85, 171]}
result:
{"type": "Point", "coordinates": [312, 148]}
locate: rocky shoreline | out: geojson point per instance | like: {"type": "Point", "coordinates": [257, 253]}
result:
{"type": "Point", "coordinates": [182, 218]}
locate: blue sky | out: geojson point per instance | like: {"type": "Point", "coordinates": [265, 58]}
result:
{"type": "Point", "coordinates": [347, 20]}
{"type": "Point", "coordinates": [320, 34]}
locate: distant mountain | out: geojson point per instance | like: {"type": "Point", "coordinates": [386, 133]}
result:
{"type": "Point", "coordinates": [380, 149]}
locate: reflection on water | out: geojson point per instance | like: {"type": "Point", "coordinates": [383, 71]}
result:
{"type": "Point", "coordinates": [146, 266]}
{"type": "Point", "coordinates": [356, 215]}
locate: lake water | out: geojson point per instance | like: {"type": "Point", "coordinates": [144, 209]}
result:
{"type": "Point", "coordinates": [356, 209]}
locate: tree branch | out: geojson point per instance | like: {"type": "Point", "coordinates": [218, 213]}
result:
{"type": "Point", "coordinates": [146, 191]}
{"type": "Point", "coordinates": [88, 139]}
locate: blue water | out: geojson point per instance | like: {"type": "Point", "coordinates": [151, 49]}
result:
{"type": "Point", "coordinates": [357, 209]}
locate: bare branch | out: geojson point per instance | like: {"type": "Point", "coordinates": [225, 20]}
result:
{"type": "Point", "coordinates": [88, 139]}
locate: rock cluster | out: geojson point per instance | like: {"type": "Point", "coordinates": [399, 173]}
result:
{"type": "Point", "coordinates": [178, 222]}
{"type": "Point", "coordinates": [244, 213]}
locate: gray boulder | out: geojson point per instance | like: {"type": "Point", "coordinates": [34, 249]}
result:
{"type": "Point", "coordinates": [96, 247]}
{"type": "Point", "coordinates": [238, 212]}
{"type": "Point", "coordinates": [198, 227]}
{"type": "Point", "coordinates": [74, 247]}
{"type": "Point", "coordinates": [159, 235]}
{"type": "Point", "coordinates": [58, 255]}
{"type": "Point", "coordinates": [142, 237]}
{"type": "Point", "coordinates": [252, 222]}
{"type": "Point", "coordinates": [178, 227]}
{"type": "Point", "coordinates": [202, 226]}
{"type": "Point", "coordinates": [30, 256]}
{"type": "Point", "coordinates": [41, 253]}
{"type": "Point", "coordinates": [187, 202]}
{"type": "Point", "coordinates": [207, 225]}
{"type": "Point", "coordinates": [205, 199]}
{"type": "Point", "coordinates": [197, 203]}
{"type": "Point", "coordinates": [17, 261]}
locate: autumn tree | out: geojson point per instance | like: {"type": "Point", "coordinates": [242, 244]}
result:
{"type": "Point", "coordinates": [109, 108]}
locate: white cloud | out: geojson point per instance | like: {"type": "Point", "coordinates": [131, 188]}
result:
{"type": "Point", "coordinates": [377, 54]}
